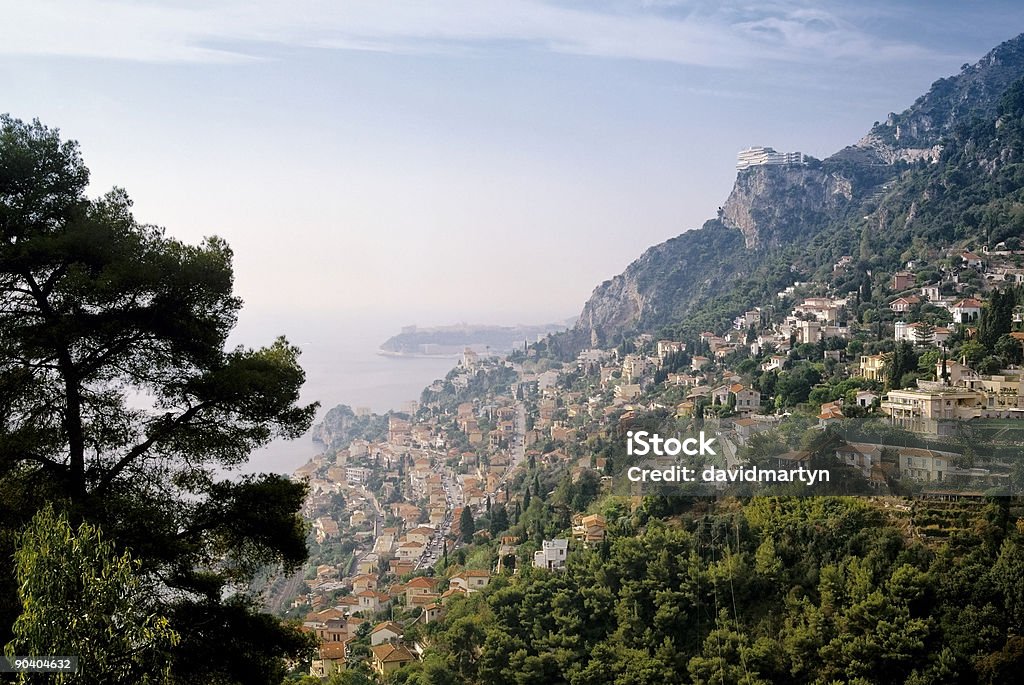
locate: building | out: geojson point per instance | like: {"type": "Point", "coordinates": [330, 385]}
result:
{"type": "Point", "coordinates": [901, 280]}
{"type": "Point", "coordinates": [966, 310]}
{"type": "Point", "coordinates": [552, 554]}
{"type": "Point", "coordinates": [748, 400]}
{"type": "Point", "coordinates": [420, 586]}
{"type": "Point", "coordinates": [627, 391]}
{"type": "Point", "coordinates": [871, 366]}
{"type": "Point", "coordinates": [862, 456]}
{"type": "Point", "coordinates": [924, 465]}
{"type": "Point", "coordinates": [919, 333]}
{"type": "Point", "coordinates": [330, 659]}
{"type": "Point", "coordinates": [325, 528]}
{"type": "Point", "coordinates": [904, 304]}
{"type": "Point", "coordinates": [831, 413]}
{"type": "Point", "coordinates": [469, 580]}
{"type": "Point", "coordinates": [931, 410]}
{"type": "Point", "coordinates": [866, 399]}
{"type": "Point", "coordinates": [766, 156]}
{"type": "Point", "coordinates": [388, 657]}
{"type": "Point", "coordinates": [389, 631]}
{"type": "Point", "coordinates": [589, 529]}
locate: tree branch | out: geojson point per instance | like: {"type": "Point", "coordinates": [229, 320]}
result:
{"type": "Point", "coordinates": [144, 446]}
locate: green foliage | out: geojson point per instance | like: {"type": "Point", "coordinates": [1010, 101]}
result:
{"type": "Point", "coordinates": [467, 528]}
{"type": "Point", "coordinates": [82, 597]}
{"type": "Point", "coordinates": [996, 318]}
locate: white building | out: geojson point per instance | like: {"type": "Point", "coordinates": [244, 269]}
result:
{"type": "Point", "coordinates": [766, 156]}
{"type": "Point", "coordinates": [553, 554]}
{"type": "Point", "coordinates": [917, 333]}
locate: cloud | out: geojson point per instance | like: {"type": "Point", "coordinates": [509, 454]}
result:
{"type": "Point", "coordinates": [232, 31]}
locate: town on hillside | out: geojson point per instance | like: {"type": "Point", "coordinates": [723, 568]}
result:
{"type": "Point", "coordinates": [908, 386]}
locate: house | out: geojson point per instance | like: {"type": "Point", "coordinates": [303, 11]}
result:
{"type": "Point", "coordinates": [921, 333]}
{"type": "Point", "coordinates": [970, 259]}
{"type": "Point", "coordinates": [330, 659]}
{"type": "Point", "coordinates": [866, 399]}
{"type": "Point", "coordinates": [420, 534]}
{"type": "Point", "coordinates": [904, 304]}
{"type": "Point", "coordinates": [822, 309]}
{"type": "Point", "coordinates": [419, 586]}
{"type": "Point", "coordinates": [925, 465]}
{"type": "Point", "coordinates": [627, 391]}
{"type": "Point", "coordinates": [325, 528]}
{"type": "Point", "coordinates": [401, 567]}
{"type": "Point", "coordinates": [364, 582]}
{"type": "Point", "coordinates": [699, 362]}
{"type": "Point", "coordinates": [831, 413]}
{"type": "Point", "coordinates": [389, 631]}
{"type": "Point", "coordinates": [368, 564]}
{"type": "Point", "coordinates": [372, 602]}
{"type": "Point", "coordinates": [901, 280]}
{"type": "Point", "coordinates": [748, 400]}
{"type": "Point", "coordinates": [747, 428]}
{"type": "Point", "coordinates": [388, 657]}
{"type": "Point", "coordinates": [589, 529]}
{"type": "Point", "coordinates": [470, 580]}
{"type": "Point", "coordinates": [552, 554]}
{"type": "Point", "coordinates": [862, 456]}
{"type": "Point", "coordinates": [667, 347]}
{"type": "Point", "coordinates": [410, 550]}
{"type": "Point", "coordinates": [871, 366]}
{"type": "Point", "coordinates": [966, 310]}
{"type": "Point", "coordinates": [432, 613]}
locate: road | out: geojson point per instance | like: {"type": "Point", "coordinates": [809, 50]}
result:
{"type": "Point", "coordinates": [453, 498]}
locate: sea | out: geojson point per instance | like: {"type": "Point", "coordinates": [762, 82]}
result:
{"type": "Point", "coordinates": [343, 366]}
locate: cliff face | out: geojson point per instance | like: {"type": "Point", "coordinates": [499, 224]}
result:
{"type": "Point", "coordinates": [615, 305]}
{"type": "Point", "coordinates": [774, 205]}
{"type": "Point", "coordinates": [663, 285]}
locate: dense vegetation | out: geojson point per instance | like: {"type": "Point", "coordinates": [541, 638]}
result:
{"type": "Point", "coordinates": [815, 590]}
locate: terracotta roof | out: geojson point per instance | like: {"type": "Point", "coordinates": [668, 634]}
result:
{"type": "Point", "coordinates": [332, 650]}
{"type": "Point", "coordinates": [422, 581]}
{"type": "Point", "coordinates": [472, 573]}
{"type": "Point", "coordinates": [395, 628]}
{"type": "Point", "coordinates": [388, 653]}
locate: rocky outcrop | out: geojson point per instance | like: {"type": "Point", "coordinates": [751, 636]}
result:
{"type": "Point", "coordinates": [615, 305]}
{"type": "Point", "coordinates": [773, 205]}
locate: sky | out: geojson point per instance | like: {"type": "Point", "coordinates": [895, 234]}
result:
{"type": "Point", "coordinates": [458, 160]}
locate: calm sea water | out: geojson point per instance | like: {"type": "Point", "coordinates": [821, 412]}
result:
{"type": "Point", "coordinates": [342, 367]}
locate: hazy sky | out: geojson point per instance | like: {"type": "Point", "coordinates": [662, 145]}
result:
{"type": "Point", "coordinates": [437, 161]}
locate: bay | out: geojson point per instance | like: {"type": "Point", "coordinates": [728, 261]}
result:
{"type": "Point", "coordinates": [343, 366]}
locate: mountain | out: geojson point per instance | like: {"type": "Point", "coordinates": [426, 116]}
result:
{"type": "Point", "coordinates": [946, 169]}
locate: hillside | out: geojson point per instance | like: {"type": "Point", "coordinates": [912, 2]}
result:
{"type": "Point", "coordinates": [944, 170]}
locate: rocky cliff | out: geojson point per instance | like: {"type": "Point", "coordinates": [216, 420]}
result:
{"type": "Point", "coordinates": [772, 205]}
